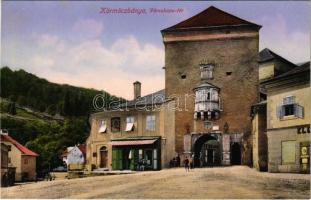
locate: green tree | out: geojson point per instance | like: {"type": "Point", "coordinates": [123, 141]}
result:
{"type": "Point", "coordinates": [12, 108]}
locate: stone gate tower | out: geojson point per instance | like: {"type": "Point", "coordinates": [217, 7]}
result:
{"type": "Point", "coordinates": [211, 70]}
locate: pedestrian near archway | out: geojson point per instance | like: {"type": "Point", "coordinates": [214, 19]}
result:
{"type": "Point", "coordinates": [186, 163]}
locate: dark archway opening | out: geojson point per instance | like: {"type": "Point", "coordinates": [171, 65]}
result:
{"type": "Point", "coordinates": [235, 154]}
{"type": "Point", "coordinates": [206, 151]}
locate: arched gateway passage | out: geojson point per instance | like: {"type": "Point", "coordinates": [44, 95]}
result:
{"type": "Point", "coordinates": [206, 151]}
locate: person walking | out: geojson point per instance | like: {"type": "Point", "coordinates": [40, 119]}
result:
{"type": "Point", "coordinates": [178, 160]}
{"type": "Point", "coordinates": [192, 161]}
{"type": "Point", "coordinates": [186, 163]}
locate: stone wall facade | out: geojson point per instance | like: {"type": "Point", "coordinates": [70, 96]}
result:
{"type": "Point", "coordinates": [164, 128]}
{"type": "Point", "coordinates": [275, 139]}
{"type": "Point", "coordinates": [28, 167]}
{"type": "Point", "coordinates": [260, 143]}
{"type": "Point", "coordinates": [234, 54]}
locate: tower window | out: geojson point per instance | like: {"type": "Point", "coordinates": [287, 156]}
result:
{"type": "Point", "coordinates": [207, 71]}
{"type": "Point", "coordinates": [228, 73]}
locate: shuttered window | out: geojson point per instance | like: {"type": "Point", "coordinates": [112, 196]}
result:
{"type": "Point", "coordinates": [129, 123]}
{"type": "Point", "coordinates": [289, 108]}
{"type": "Point", "coordinates": [103, 127]}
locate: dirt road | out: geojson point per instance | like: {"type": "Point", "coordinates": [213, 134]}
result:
{"type": "Point", "coordinates": [226, 182]}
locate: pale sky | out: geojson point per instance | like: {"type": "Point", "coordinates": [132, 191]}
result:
{"type": "Point", "coordinates": [72, 42]}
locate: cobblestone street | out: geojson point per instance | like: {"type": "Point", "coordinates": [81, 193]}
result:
{"type": "Point", "coordinates": [222, 182]}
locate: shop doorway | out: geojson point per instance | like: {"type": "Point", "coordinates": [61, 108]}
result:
{"type": "Point", "coordinates": [103, 157]}
{"type": "Point", "coordinates": [126, 162]}
{"type": "Point", "coordinates": [235, 154]}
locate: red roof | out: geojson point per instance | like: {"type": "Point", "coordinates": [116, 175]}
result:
{"type": "Point", "coordinates": [20, 147]}
{"type": "Point", "coordinates": [82, 148]}
{"type": "Point", "coordinates": [131, 142]}
{"type": "Point", "coordinates": [210, 17]}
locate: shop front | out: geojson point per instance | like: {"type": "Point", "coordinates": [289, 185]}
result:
{"type": "Point", "coordinates": [138, 154]}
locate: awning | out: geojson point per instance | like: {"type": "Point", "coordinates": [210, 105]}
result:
{"type": "Point", "coordinates": [132, 142]}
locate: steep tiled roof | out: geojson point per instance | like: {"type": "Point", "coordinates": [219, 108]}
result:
{"type": "Point", "coordinates": [211, 17]}
{"type": "Point", "coordinates": [151, 99]}
{"type": "Point", "coordinates": [267, 55]}
{"type": "Point", "coordinates": [20, 147]}
{"type": "Point", "coordinates": [82, 148]}
{"type": "Point", "coordinates": [302, 69]}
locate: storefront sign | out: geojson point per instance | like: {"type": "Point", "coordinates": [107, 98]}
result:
{"type": "Point", "coordinates": [215, 128]}
{"type": "Point", "coordinates": [303, 129]}
{"type": "Point", "coordinates": [305, 157]}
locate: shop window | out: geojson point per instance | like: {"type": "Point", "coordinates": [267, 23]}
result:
{"type": "Point", "coordinates": [207, 71]}
{"type": "Point", "coordinates": [150, 123]}
{"type": "Point", "coordinates": [103, 127]}
{"type": "Point", "coordinates": [129, 123]}
{"type": "Point", "coordinates": [115, 124]}
{"type": "Point", "coordinates": [288, 152]}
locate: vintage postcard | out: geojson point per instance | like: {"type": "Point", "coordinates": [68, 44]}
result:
{"type": "Point", "coordinates": [155, 99]}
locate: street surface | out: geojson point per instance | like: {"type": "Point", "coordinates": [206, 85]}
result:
{"type": "Point", "coordinates": [220, 182]}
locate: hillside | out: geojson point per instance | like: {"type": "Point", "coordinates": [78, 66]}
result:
{"type": "Point", "coordinates": [39, 94]}
{"type": "Point", "coordinates": [44, 116]}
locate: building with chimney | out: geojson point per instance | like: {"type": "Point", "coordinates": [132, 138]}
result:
{"type": "Point", "coordinates": [211, 83]}
{"type": "Point", "coordinates": [136, 135]}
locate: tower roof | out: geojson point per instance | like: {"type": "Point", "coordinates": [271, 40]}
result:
{"type": "Point", "coordinates": [211, 17]}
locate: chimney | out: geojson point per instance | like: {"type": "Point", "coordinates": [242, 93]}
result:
{"type": "Point", "coordinates": [137, 89]}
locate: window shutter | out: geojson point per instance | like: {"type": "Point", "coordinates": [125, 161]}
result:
{"type": "Point", "coordinates": [280, 110]}
{"type": "Point", "coordinates": [298, 111]}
